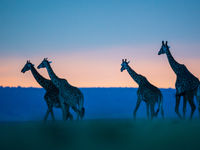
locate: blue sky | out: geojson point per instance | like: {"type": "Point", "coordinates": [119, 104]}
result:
{"type": "Point", "coordinates": [33, 29]}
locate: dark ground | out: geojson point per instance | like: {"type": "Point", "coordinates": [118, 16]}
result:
{"type": "Point", "coordinates": [101, 135]}
{"type": "Point", "coordinates": [22, 111]}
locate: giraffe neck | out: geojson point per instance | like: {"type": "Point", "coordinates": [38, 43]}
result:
{"type": "Point", "coordinates": [40, 79]}
{"type": "Point", "coordinates": [173, 63]}
{"type": "Point", "coordinates": [52, 75]}
{"type": "Point", "coordinates": [136, 77]}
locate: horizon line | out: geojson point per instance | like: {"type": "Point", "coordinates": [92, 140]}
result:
{"type": "Point", "coordinates": [77, 87]}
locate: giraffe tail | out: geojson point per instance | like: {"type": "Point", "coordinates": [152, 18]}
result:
{"type": "Point", "coordinates": [82, 113]}
{"type": "Point", "coordinates": [160, 105]}
{"type": "Point", "coordinates": [198, 90]}
{"type": "Point", "coordinates": [81, 108]}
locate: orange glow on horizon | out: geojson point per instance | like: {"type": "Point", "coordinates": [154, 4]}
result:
{"type": "Point", "coordinates": [100, 68]}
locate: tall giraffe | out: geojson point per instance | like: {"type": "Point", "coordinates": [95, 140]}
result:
{"type": "Point", "coordinates": [186, 83]}
{"type": "Point", "coordinates": [68, 94]}
{"type": "Point", "coordinates": [146, 92]}
{"type": "Point", "coordinates": [51, 95]}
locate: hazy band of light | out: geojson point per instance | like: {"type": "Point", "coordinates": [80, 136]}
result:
{"type": "Point", "coordinates": [99, 68]}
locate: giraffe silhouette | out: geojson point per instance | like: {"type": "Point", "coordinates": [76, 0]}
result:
{"type": "Point", "coordinates": [68, 94]}
{"type": "Point", "coordinates": [51, 95]}
{"type": "Point", "coordinates": [146, 92]}
{"type": "Point", "coordinates": [186, 83]}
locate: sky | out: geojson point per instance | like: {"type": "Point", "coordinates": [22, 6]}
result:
{"type": "Point", "coordinates": [87, 39]}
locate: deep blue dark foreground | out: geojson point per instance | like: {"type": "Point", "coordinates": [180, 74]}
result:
{"type": "Point", "coordinates": [25, 104]}
{"type": "Point", "coordinates": [101, 135]}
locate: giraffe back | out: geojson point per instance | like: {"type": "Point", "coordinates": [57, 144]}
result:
{"type": "Point", "coordinates": [148, 92]}
{"type": "Point", "coordinates": [185, 80]}
{"type": "Point", "coordinates": [72, 94]}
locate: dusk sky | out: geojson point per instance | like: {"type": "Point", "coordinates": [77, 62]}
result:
{"type": "Point", "coordinates": [87, 39]}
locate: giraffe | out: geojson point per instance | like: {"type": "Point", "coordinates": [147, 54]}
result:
{"type": "Point", "coordinates": [146, 92]}
{"type": "Point", "coordinates": [51, 95]}
{"type": "Point", "coordinates": [187, 84]}
{"type": "Point", "coordinates": [68, 94]}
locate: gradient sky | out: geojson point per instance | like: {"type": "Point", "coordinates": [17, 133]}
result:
{"type": "Point", "coordinates": [86, 39]}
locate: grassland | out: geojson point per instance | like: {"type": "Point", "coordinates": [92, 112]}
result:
{"type": "Point", "coordinates": [101, 135]}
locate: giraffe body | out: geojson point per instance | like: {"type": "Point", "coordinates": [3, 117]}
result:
{"type": "Point", "coordinates": [51, 96]}
{"type": "Point", "coordinates": [68, 94]}
{"type": "Point", "coordinates": [146, 92]}
{"type": "Point", "coordinates": [185, 81]}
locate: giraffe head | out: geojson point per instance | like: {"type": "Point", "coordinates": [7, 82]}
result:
{"type": "Point", "coordinates": [124, 64]}
{"type": "Point", "coordinates": [163, 48]}
{"type": "Point", "coordinates": [44, 63]}
{"type": "Point", "coordinates": [27, 66]}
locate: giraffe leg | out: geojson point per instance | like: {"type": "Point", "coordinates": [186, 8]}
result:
{"type": "Point", "coordinates": [52, 114]}
{"type": "Point", "coordinates": [46, 98]}
{"type": "Point", "coordinates": [178, 98]}
{"type": "Point", "coordinates": [50, 107]}
{"type": "Point", "coordinates": [192, 105]}
{"type": "Point", "coordinates": [46, 115]}
{"type": "Point", "coordinates": [184, 105]}
{"type": "Point", "coordinates": [69, 115]}
{"type": "Point", "coordinates": [77, 112]}
{"type": "Point", "coordinates": [152, 111]}
{"type": "Point", "coordinates": [63, 106]}
{"type": "Point", "coordinates": [162, 110]}
{"type": "Point", "coordinates": [147, 107]}
{"type": "Point", "coordinates": [136, 107]}
{"type": "Point", "coordinates": [198, 103]}
{"type": "Point", "coordinates": [64, 111]}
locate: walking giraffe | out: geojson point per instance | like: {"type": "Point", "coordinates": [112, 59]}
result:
{"type": "Point", "coordinates": [146, 92]}
{"type": "Point", "coordinates": [51, 95]}
{"type": "Point", "coordinates": [186, 83]}
{"type": "Point", "coordinates": [68, 94]}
